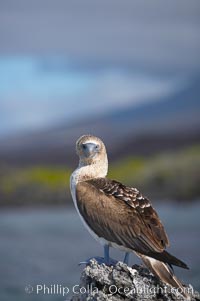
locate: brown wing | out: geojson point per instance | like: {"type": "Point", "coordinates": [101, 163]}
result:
{"type": "Point", "coordinates": [121, 215]}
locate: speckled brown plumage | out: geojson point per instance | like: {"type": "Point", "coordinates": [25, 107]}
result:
{"type": "Point", "coordinates": [121, 215]}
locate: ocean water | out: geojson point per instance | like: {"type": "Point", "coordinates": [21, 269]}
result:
{"type": "Point", "coordinates": [41, 248]}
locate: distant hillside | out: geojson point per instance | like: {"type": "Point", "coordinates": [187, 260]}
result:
{"type": "Point", "coordinates": [170, 123]}
{"type": "Point", "coordinates": [168, 175]}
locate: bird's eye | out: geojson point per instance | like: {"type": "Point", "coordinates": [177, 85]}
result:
{"type": "Point", "coordinates": [97, 147]}
{"type": "Point", "coordinates": [84, 146]}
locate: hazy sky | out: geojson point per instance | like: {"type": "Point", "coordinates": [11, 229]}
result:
{"type": "Point", "coordinates": [128, 32]}
{"type": "Point", "coordinates": [61, 59]}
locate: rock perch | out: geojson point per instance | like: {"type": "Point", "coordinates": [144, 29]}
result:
{"type": "Point", "coordinates": [104, 283]}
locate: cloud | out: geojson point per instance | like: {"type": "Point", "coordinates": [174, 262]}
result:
{"type": "Point", "coordinates": [36, 95]}
{"type": "Point", "coordinates": [115, 89]}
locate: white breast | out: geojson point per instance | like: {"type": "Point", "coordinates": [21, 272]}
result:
{"type": "Point", "coordinates": [73, 182]}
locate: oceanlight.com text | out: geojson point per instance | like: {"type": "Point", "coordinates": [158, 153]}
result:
{"type": "Point", "coordinates": [58, 289]}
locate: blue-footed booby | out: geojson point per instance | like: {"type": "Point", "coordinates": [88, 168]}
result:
{"type": "Point", "coordinates": [119, 216]}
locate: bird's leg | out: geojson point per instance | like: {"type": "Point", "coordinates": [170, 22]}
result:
{"type": "Point", "coordinates": [106, 254]}
{"type": "Point", "coordinates": [126, 258]}
{"type": "Point", "coordinates": [106, 259]}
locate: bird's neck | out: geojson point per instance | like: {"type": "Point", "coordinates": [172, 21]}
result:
{"type": "Point", "coordinates": [97, 169]}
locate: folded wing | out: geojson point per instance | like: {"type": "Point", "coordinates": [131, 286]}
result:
{"type": "Point", "coordinates": [121, 215]}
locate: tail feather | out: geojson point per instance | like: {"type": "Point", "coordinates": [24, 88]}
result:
{"type": "Point", "coordinates": [164, 273]}
{"type": "Point", "coordinates": [170, 259]}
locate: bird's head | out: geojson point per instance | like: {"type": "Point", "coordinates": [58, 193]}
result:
{"type": "Point", "coordinates": [92, 152]}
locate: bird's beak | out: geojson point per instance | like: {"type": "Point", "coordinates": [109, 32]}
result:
{"type": "Point", "coordinates": [89, 150]}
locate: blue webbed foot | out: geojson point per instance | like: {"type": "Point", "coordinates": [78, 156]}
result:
{"type": "Point", "coordinates": [100, 260]}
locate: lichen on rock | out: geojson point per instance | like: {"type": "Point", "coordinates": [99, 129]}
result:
{"type": "Point", "coordinates": [120, 282]}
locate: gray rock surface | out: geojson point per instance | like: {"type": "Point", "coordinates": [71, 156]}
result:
{"type": "Point", "coordinates": [104, 283]}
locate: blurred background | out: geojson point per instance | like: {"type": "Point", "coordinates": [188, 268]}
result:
{"type": "Point", "coordinates": [126, 71]}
